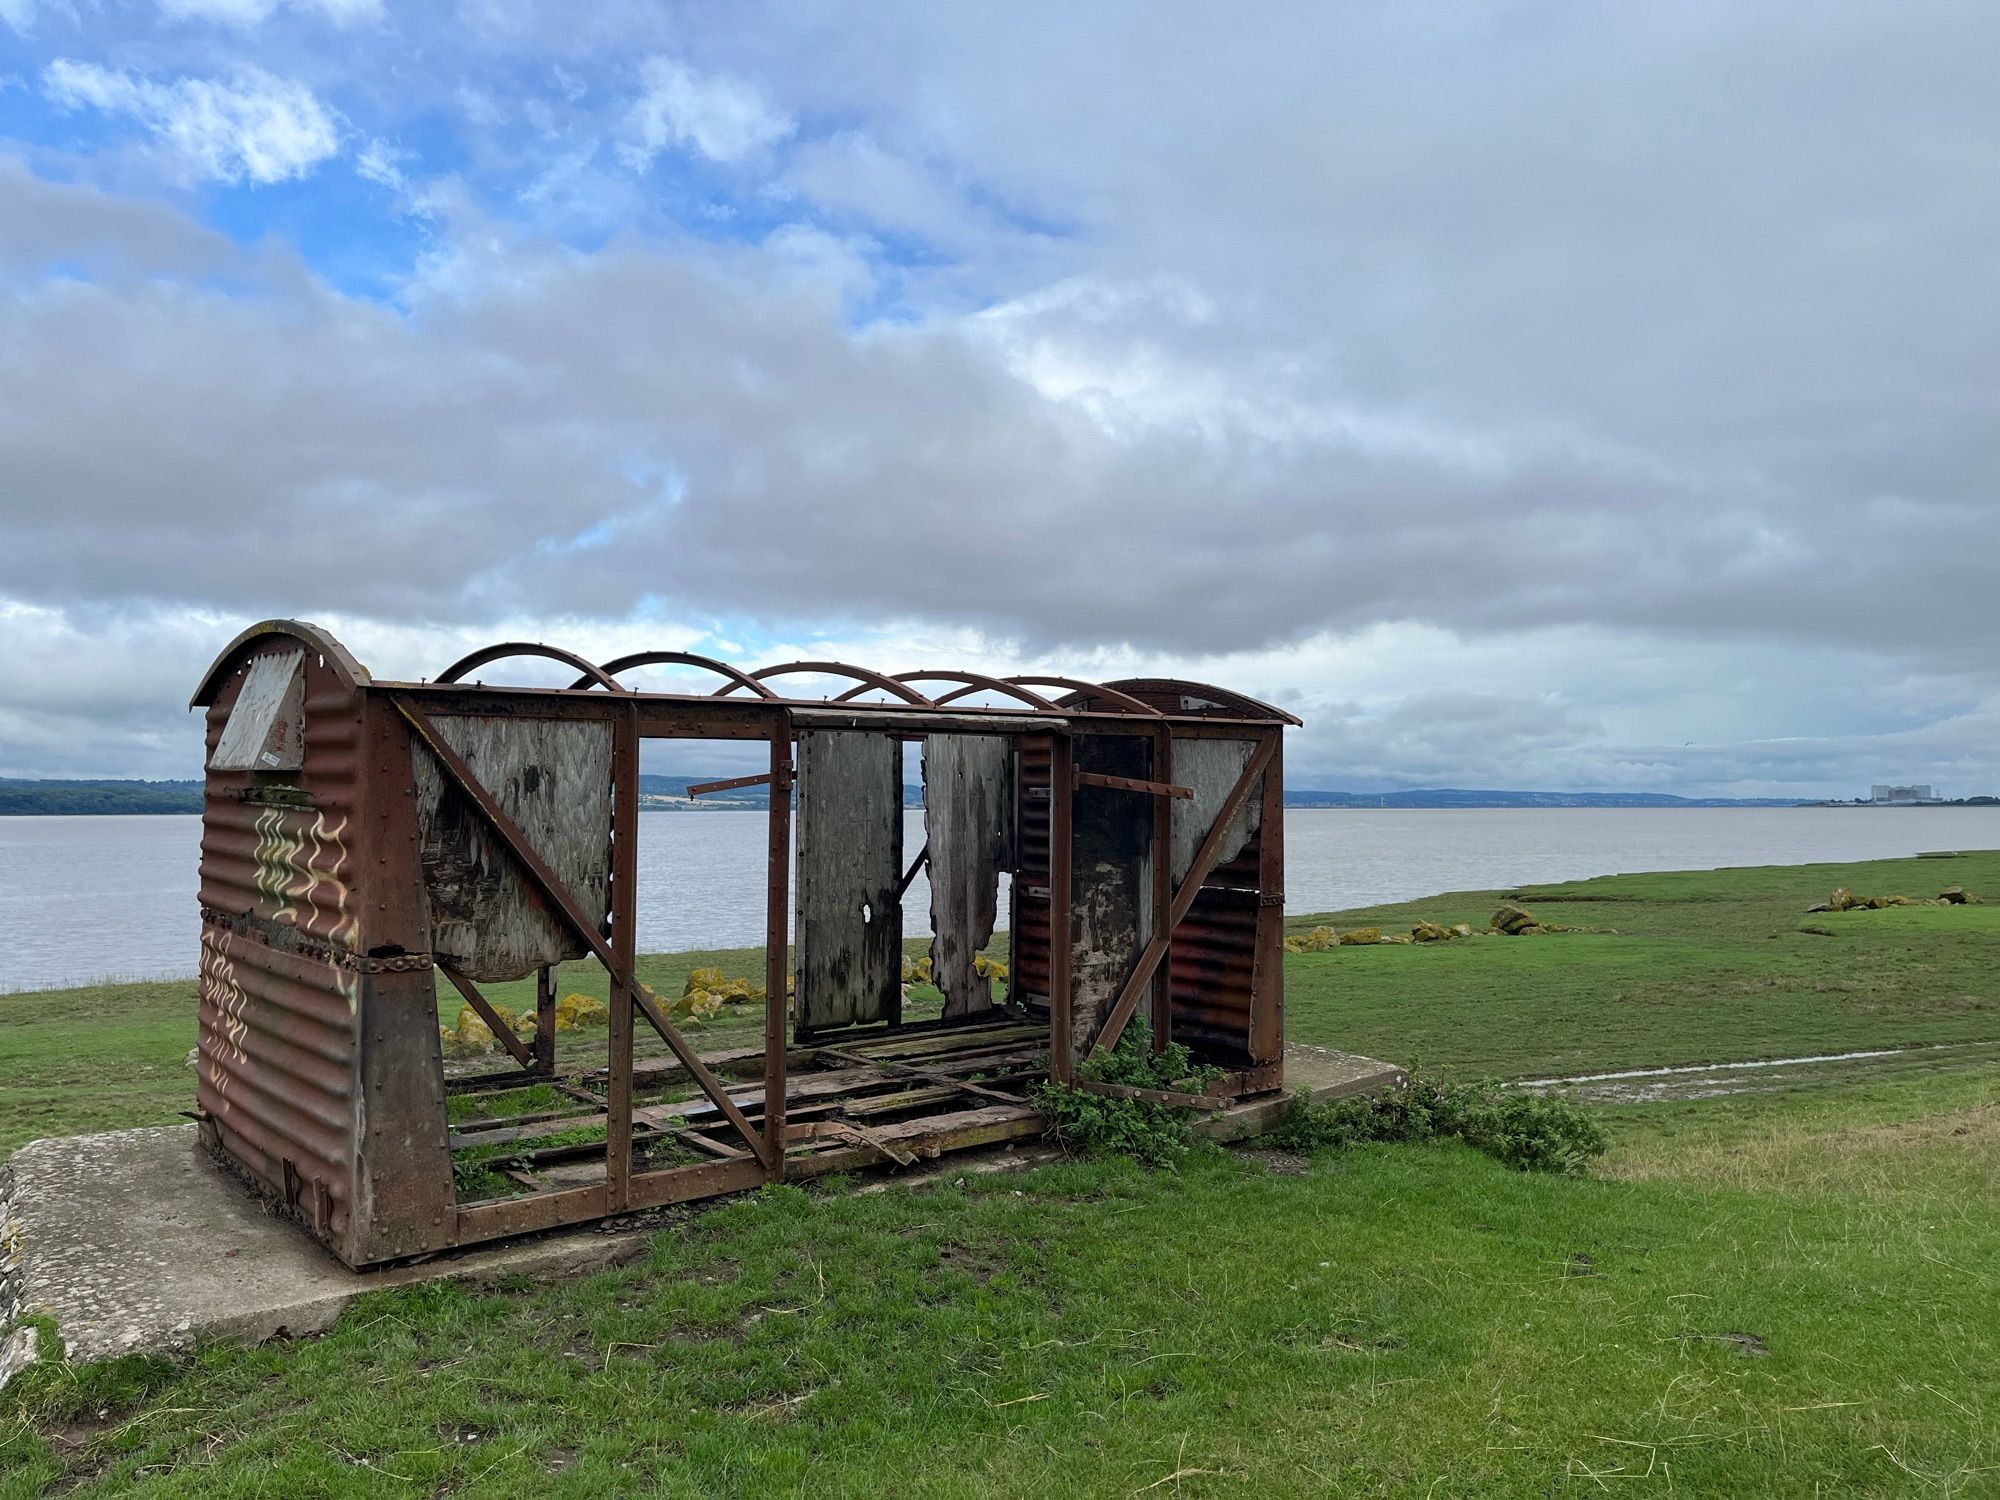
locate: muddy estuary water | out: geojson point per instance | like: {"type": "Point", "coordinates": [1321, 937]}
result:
{"type": "Point", "coordinates": [90, 898]}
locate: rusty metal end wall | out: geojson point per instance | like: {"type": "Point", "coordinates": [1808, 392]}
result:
{"type": "Point", "coordinates": [279, 986]}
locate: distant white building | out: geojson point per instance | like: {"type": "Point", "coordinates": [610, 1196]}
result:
{"type": "Point", "coordinates": [1900, 795]}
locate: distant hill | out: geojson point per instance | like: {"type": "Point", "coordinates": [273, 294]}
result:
{"type": "Point", "coordinates": [1452, 797]}
{"type": "Point", "coordinates": [19, 795]}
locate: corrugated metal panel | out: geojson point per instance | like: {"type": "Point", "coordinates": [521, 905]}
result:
{"type": "Point", "coordinates": [276, 1072]}
{"type": "Point", "coordinates": [1028, 968]}
{"type": "Point", "coordinates": [1214, 955]}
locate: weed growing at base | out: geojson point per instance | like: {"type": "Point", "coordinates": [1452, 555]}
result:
{"type": "Point", "coordinates": [1528, 1131]}
{"type": "Point", "coordinates": [1154, 1133]}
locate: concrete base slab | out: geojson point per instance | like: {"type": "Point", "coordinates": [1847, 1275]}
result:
{"type": "Point", "coordinates": [136, 1241]}
{"type": "Point", "coordinates": [1319, 1073]}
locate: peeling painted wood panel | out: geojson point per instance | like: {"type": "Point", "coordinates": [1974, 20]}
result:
{"type": "Point", "coordinates": [1111, 879]}
{"type": "Point", "coordinates": [850, 835]}
{"type": "Point", "coordinates": [968, 819]}
{"type": "Point", "coordinates": [553, 778]}
{"type": "Point", "coordinates": [266, 730]}
{"type": "Point", "coordinates": [1211, 768]}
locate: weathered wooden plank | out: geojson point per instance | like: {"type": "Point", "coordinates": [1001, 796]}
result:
{"type": "Point", "coordinates": [267, 723]}
{"type": "Point", "coordinates": [1111, 879]}
{"type": "Point", "coordinates": [553, 780]}
{"type": "Point", "coordinates": [926, 1137]}
{"type": "Point", "coordinates": [968, 818]}
{"type": "Point", "coordinates": [1211, 768]}
{"type": "Point", "coordinates": [850, 862]}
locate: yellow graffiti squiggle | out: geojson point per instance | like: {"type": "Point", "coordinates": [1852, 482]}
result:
{"type": "Point", "coordinates": [218, 987]}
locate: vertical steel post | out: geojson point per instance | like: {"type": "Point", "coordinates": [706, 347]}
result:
{"type": "Point", "coordinates": [777, 929]}
{"type": "Point", "coordinates": [545, 1020]}
{"type": "Point", "coordinates": [624, 941]}
{"type": "Point", "coordinates": [1062, 794]}
{"type": "Point", "coordinates": [1163, 887]}
{"type": "Point", "coordinates": [1267, 984]}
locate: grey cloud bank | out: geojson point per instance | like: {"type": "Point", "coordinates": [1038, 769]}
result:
{"type": "Point", "coordinates": [1531, 395]}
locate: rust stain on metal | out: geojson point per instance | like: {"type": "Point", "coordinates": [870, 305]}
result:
{"type": "Point", "coordinates": [359, 836]}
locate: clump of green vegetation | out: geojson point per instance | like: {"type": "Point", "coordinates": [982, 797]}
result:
{"type": "Point", "coordinates": [1155, 1133]}
{"type": "Point", "coordinates": [477, 1172]}
{"type": "Point", "coordinates": [1528, 1131]}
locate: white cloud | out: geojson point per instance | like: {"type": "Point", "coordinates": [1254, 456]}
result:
{"type": "Point", "coordinates": [252, 126]}
{"type": "Point", "coordinates": [248, 13]}
{"type": "Point", "coordinates": [19, 14]}
{"type": "Point", "coordinates": [381, 163]}
{"type": "Point", "coordinates": [723, 118]}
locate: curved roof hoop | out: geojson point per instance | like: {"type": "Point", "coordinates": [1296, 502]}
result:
{"type": "Point", "coordinates": [1240, 703]}
{"type": "Point", "coordinates": [736, 676]}
{"type": "Point", "coordinates": [1080, 688]}
{"type": "Point", "coordinates": [312, 637]}
{"type": "Point", "coordinates": [861, 675]}
{"type": "Point", "coordinates": [506, 649]}
{"type": "Point", "coordinates": [975, 682]}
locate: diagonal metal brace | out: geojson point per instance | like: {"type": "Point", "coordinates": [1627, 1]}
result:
{"type": "Point", "coordinates": [559, 897]}
{"type": "Point", "coordinates": [483, 1008]}
{"type": "Point", "coordinates": [1204, 861]}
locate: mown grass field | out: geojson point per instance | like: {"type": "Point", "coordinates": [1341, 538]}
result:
{"type": "Point", "coordinates": [1792, 1292]}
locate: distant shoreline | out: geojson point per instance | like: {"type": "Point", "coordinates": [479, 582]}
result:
{"type": "Point", "coordinates": [30, 797]}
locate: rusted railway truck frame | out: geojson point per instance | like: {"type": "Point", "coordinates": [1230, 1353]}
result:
{"type": "Point", "coordinates": [362, 836]}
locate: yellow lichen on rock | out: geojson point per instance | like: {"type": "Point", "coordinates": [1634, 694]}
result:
{"type": "Point", "coordinates": [575, 1012]}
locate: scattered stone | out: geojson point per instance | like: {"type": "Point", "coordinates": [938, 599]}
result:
{"type": "Point", "coordinates": [1514, 921]}
{"type": "Point", "coordinates": [1957, 895]}
{"type": "Point", "coordinates": [1747, 1344]}
{"type": "Point", "coordinates": [193, 1059]}
{"type": "Point", "coordinates": [1461, 929]}
{"type": "Point", "coordinates": [17, 1351]}
{"type": "Point", "coordinates": [1845, 900]}
{"type": "Point", "coordinates": [1318, 940]}
{"type": "Point", "coordinates": [1356, 937]}
{"type": "Point", "coordinates": [1430, 932]}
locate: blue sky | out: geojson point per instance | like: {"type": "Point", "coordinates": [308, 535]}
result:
{"type": "Point", "coordinates": [1527, 394]}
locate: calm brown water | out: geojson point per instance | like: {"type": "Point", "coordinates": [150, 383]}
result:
{"type": "Point", "coordinates": [84, 899]}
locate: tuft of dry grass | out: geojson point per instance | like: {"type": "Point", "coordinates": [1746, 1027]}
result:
{"type": "Point", "coordinates": [1882, 1159]}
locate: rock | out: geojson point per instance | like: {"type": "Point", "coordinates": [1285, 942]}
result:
{"type": "Point", "coordinates": [1430, 932]}
{"type": "Point", "coordinates": [193, 1059]}
{"type": "Point", "coordinates": [1957, 895]}
{"type": "Point", "coordinates": [1514, 921]}
{"type": "Point", "coordinates": [1819, 906]}
{"type": "Point", "coordinates": [1461, 929]}
{"type": "Point", "coordinates": [1842, 899]}
{"type": "Point", "coordinates": [18, 1351]}
{"type": "Point", "coordinates": [1360, 935]}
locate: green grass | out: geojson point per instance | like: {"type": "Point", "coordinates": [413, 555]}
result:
{"type": "Point", "coordinates": [1689, 966]}
{"type": "Point", "coordinates": [1787, 1292]}
{"type": "Point", "coordinates": [1409, 1320]}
